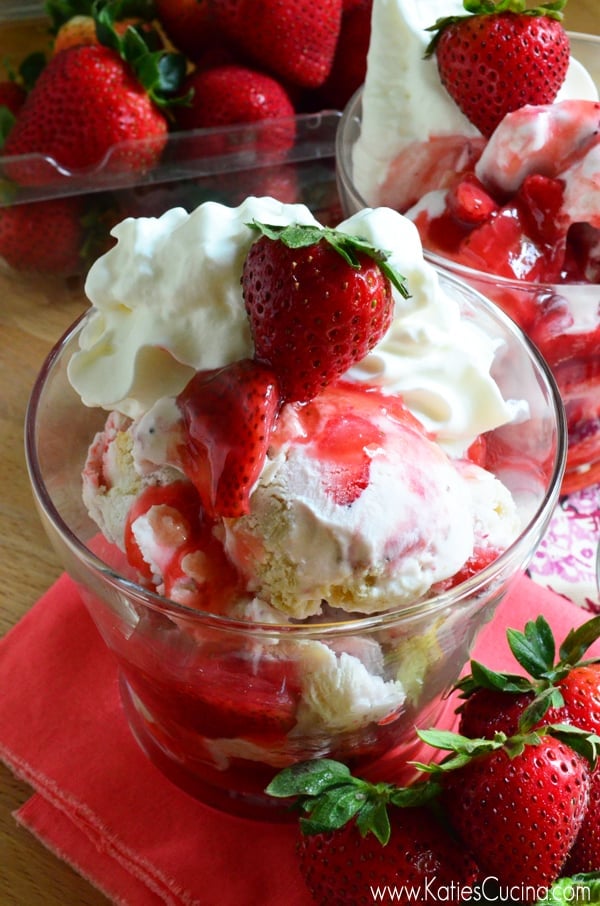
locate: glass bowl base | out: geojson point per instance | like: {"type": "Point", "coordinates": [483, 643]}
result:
{"type": "Point", "coordinates": [239, 789]}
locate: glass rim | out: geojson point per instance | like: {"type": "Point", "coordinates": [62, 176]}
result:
{"type": "Point", "coordinates": [424, 605]}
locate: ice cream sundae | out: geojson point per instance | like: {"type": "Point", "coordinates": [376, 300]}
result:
{"type": "Point", "coordinates": [482, 128]}
{"type": "Point", "coordinates": [307, 484]}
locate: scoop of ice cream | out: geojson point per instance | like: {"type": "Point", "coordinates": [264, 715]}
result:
{"type": "Point", "coordinates": [112, 480]}
{"type": "Point", "coordinates": [356, 510]}
{"type": "Point", "coordinates": [343, 688]}
{"type": "Point", "coordinates": [341, 693]}
{"type": "Point", "coordinates": [413, 136]}
{"type": "Point", "coordinates": [359, 510]}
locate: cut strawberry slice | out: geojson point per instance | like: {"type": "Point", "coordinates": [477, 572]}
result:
{"type": "Point", "coordinates": [541, 199]}
{"type": "Point", "coordinates": [469, 203]}
{"type": "Point", "coordinates": [228, 414]}
{"type": "Point", "coordinates": [502, 246]}
{"type": "Point", "coordinates": [227, 696]}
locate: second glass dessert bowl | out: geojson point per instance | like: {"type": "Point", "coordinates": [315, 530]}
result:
{"type": "Point", "coordinates": [563, 320]}
{"type": "Point", "coordinates": [220, 705]}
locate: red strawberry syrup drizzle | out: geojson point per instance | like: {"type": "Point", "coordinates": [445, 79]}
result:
{"type": "Point", "coordinates": [340, 429]}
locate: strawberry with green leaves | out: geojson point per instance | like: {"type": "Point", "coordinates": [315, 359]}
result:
{"type": "Point", "coordinates": [518, 803]}
{"type": "Point", "coordinates": [501, 56]}
{"type": "Point", "coordinates": [93, 102]}
{"type": "Point", "coordinates": [564, 688]}
{"type": "Point", "coordinates": [318, 300]}
{"type": "Point", "coordinates": [554, 688]}
{"type": "Point", "coordinates": [356, 835]}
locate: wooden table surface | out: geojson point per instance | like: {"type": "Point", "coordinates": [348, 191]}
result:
{"type": "Point", "coordinates": [33, 315]}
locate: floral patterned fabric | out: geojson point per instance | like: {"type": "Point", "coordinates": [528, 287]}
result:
{"type": "Point", "coordinates": [566, 560]}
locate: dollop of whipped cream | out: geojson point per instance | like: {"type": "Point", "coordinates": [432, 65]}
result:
{"type": "Point", "coordinates": [403, 99]}
{"type": "Point", "coordinates": [167, 301]}
{"type": "Point", "coordinates": [438, 361]}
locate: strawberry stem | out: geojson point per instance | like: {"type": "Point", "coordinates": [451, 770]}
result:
{"type": "Point", "coordinates": [298, 235]}
{"type": "Point", "coordinates": [331, 796]}
{"type": "Point", "coordinates": [535, 650]}
{"type": "Point", "coordinates": [463, 750]}
{"type": "Point", "coordinates": [579, 888]}
{"type": "Point", "coordinates": [159, 71]}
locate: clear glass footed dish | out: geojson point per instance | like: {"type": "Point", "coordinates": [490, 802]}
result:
{"type": "Point", "coordinates": [220, 705]}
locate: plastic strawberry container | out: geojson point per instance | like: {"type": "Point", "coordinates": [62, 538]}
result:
{"type": "Point", "coordinates": [223, 165]}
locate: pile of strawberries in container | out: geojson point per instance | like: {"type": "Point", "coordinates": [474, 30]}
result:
{"type": "Point", "coordinates": [123, 80]}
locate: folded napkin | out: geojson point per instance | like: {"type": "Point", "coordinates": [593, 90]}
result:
{"type": "Point", "coordinates": [102, 806]}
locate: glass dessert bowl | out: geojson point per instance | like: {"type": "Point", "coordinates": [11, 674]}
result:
{"type": "Point", "coordinates": [221, 704]}
{"type": "Point", "coordinates": [561, 318]}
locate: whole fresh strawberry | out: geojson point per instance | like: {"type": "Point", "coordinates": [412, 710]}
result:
{"type": "Point", "coordinates": [518, 803]}
{"type": "Point", "coordinates": [295, 41]}
{"type": "Point", "coordinates": [358, 836]}
{"type": "Point", "coordinates": [89, 104]}
{"type": "Point", "coordinates": [43, 236]}
{"type": "Point", "coordinates": [552, 688]}
{"type": "Point", "coordinates": [228, 414]}
{"type": "Point", "coordinates": [318, 301]}
{"type": "Point", "coordinates": [500, 57]}
{"type": "Point", "coordinates": [233, 95]}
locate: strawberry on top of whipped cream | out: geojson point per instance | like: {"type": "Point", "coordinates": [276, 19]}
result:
{"type": "Point", "coordinates": [167, 302]}
{"type": "Point", "coordinates": [413, 137]}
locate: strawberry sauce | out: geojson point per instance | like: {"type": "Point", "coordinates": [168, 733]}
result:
{"type": "Point", "coordinates": [536, 182]}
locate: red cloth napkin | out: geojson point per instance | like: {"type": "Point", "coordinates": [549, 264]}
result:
{"type": "Point", "coordinates": [102, 806]}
